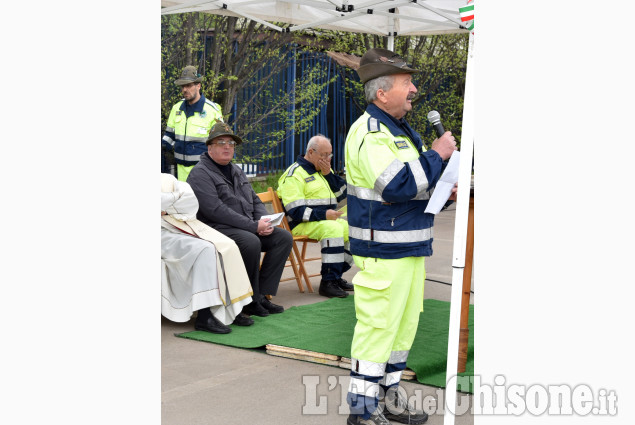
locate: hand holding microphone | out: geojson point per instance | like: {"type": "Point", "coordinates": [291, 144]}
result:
{"type": "Point", "coordinates": [445, 145]}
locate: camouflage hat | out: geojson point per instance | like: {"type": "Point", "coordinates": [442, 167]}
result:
{"type": "Point", "coordinates": [189, 75]}
{"type": "Point", "coordinates": [379, 62]}
{"type": "Point", "coordinates": [222, 129]}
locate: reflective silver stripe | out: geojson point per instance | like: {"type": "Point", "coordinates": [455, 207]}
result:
{"type": "Point", "coordinates": [169, 129]}
{"type": "Point", "coordinates": [419, 175]}
{"type": "Point", "coordinates": [331, 242]}
{"type": "Point", "coordinates": [332, 258]}
{"type": "Point", "coordinates": [373, 124]}
{"type": "Point", "coordinates": [309, 202]}
{"type": "Point", "coordinates": [339, 192]}
{"type": "Point", "coordinates": [422, 196]}
{"type": "Point", "coordinates": [398, 356]}
{"type": "Point", "coordinates": [307, 214]}
{"type": "Point", "coordinates": [294, 204]}
{"type": "Point", "coordinates": [195, 139]}
{"type": "Point", "coordinates": [364, 193]}
{"type": "Point", "coordinates": [214, 105]}
{"type": "Point", "coordinates": [359, 386]}
{"type": "Point", "coordinates": [391, 378]}
{"type": "Point", "coordinates": [368, 368]}
{"type": "Point", "coordinates": [292, 168]}
{"type": "Point", "coordinates": [186, 157]}
{"type": "Point", "coordinates": [169, 140]}
{"type": "Point", "coordinates": [324, 201]}
{"type": "Point", "coordinates": [382, 236]}
{"type": "Point", "coordinates": [388, 174]}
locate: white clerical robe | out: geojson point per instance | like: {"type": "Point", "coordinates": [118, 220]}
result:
{"type": "Point", "coordinates": [194, 273]}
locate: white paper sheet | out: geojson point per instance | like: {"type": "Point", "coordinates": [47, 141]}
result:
{"type": "Point", "coordinates": [443, 189]}
{"type": "Point", "coordinates": [276, 218]}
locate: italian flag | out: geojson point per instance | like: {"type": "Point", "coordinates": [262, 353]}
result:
{"type": "Point", "coordinates": [467, 12]}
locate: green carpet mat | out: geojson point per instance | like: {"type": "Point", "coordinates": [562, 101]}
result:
{"type": "Point", "coordinates": [327, 327]}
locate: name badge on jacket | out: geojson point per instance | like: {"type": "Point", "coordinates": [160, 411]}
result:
{"type": "Point", "coordinates": [309, 179]}
{"type": "Point", "coordinates": [401, 144]}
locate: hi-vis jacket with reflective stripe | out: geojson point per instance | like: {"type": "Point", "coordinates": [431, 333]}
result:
{"type": "Point", "coordinates": [187, 135]}
{"type": "Point", "coordinates": [390, 178]}
{"type": "Point", "coordinates": [307, 194]}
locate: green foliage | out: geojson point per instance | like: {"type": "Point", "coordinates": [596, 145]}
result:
{"type": "Point", "coordinates": [271, 180]}
{"type": "Point", "coordinates": [243, 56]}
{"type": "Point", "coordinates": [241, 63]}
{"type": "Point", "coordinates": [441, 82]}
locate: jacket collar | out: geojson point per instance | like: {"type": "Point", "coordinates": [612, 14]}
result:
{"type": "Point", "coordinates": [196, 107]}
{"type": "Point", "coordinates": [396, 127]}
{"type": "Point", "coordinates": [308, 167]}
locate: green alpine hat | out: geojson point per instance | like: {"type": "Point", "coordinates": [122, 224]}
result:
{"type": "Point", "coordinates": [222, 129]}
{"type": "Point", "coordinates": [189, 75]}
{"type": "Point", "coordinates": [379, 62]}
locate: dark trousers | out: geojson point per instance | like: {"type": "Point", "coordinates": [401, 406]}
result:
{"type": "Point", "coordinates": [277, 246]}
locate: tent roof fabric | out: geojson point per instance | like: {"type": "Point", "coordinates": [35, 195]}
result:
{"type": "Point", "coordinates": [381, 17]}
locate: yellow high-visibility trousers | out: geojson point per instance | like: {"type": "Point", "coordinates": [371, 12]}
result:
{"type": "Point", "coordinates": [388, 301]}
{"type": "Point", "coordinates": [182, 171]}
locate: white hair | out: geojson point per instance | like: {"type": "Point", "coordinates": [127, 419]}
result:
{"type": "Point", "coordinates": [313, 141]}
{"type": "Point", "coordinates": [384, 83]}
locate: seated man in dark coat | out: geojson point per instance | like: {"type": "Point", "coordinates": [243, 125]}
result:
{"type": "Point", "coordinates": [228, 203]}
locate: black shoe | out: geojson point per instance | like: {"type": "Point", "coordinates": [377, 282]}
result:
{"type": "Point", "coordinates": [243, 320]}
{"type": "Point", "coordinates": [255, 309]}
{"type": "Point", "coordinates": [398, 409]}
{"type": "Point", "coordinates": [330, 288]}
{"type": "Point", "coordinates": [377, 418]}
{"type": "Point", "coordinates": [211, 324]}
{"type": "Point", "coordinates": [344, 285]}
{"type": "Point", "coordinates": [271, 307]}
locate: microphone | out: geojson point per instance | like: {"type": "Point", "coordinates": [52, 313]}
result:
{"type": "Point", "coordinates": [435, 120]}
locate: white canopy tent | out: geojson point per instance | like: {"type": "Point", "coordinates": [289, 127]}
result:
{"type": "Point", "coordinates": [391, 18]}
{"type": "Point", "coordinates": [382, 17]}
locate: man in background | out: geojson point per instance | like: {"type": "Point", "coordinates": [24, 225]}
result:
{"type": "Point", "coordinates": [189, 123]}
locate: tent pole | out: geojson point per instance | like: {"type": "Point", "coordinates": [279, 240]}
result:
{"type": "Point", "coordinates": [390, 44]}
{"type": "Point", "coordinates": [460, 232]}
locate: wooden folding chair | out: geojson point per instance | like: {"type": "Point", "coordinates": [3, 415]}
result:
{"type": "Point", "coordinates": [301, 258]}
{"type": "Point", "coordinates": [298, 270]}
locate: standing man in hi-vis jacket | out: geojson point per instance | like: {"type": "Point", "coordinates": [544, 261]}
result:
{"type": "Point", "coordinates": [189, 123]}
{"type": "Point", "coordinates": [390, 177]}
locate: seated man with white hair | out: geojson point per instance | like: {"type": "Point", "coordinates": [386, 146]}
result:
{"type": "Point", "coordinates": [310, 192]}
{"type": "Point", "coordinates": [201, 269]}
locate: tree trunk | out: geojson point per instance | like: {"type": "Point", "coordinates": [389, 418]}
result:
{"type": "Point", "coordinates": [189, 30]}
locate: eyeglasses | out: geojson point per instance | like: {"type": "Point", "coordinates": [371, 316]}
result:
{"type": "Point", "coordinates": [231, 143]}
{"type": "Point", "coordinates": [323, 155]}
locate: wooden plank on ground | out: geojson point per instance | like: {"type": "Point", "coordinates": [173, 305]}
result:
{"type": "Point", "coordinates": [299, 354]}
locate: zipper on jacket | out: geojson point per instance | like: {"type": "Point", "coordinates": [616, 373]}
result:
{"type": "Point", "coordinates": [392, 220]}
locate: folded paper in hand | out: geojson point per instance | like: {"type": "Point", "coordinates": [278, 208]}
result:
{"type": "Point", "coordinates": [276, 218]}
{"type": "Point", "coordinates": [443, 189]}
